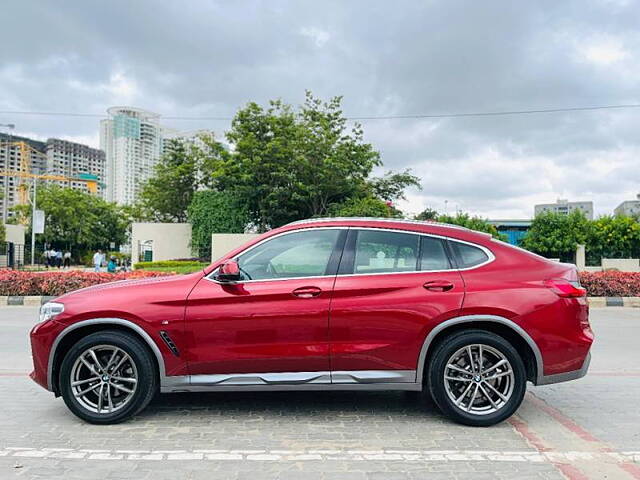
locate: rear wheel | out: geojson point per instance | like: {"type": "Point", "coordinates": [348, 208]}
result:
{"type": "Point", "coordinates": [107, 377]}
{"type": "Point", "coordinates": [477, 378]}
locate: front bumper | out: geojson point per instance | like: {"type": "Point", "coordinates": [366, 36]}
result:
{"type": "Point", "coordinates": [566, 376]}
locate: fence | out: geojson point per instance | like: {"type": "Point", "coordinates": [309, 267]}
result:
{"type": "Point", "coordinates": [12, 255]}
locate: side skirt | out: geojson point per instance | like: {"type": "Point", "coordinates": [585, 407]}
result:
{"type": "Point", "coordinates": [289, 381]}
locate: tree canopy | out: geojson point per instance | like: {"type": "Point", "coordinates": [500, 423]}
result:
{"type": "Point", "coordinates": [214, 212]}
{"type": "Point", "coordinates": [183, 169]}
{"type": "Point", "coordinates": [283, 164]}
{"type": "Point", "coordinates": [557, 235]}
{"type": "Point", "coordinates": [462, 219]}
{"type": "Point", "coordinates": [77, 220]}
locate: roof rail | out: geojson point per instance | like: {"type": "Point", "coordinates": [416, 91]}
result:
{"type": "Point", "coordinates": [379, 219]}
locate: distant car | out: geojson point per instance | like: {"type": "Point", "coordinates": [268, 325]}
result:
{"type": "Point", "coordinates": [326, 304]}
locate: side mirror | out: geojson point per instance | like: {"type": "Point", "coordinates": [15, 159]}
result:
{"type": "Point", "coordinates": [229, 272]}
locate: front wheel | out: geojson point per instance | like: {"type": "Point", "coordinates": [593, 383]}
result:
{"type": "Point", "coordinates": [477, 378]}
{"type": "Point", "coordinates": [107, 377]}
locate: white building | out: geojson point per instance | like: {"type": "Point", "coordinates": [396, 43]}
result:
{"type": "Point", "coordinates": [132, 141]}
{"type": "Point", "coordinates": [628, 208]}
{"type": "Point", "coordinates": [565, 207]}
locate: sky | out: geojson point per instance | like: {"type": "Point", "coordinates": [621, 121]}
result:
{"type": "Point", "coordinates": [208, 58]}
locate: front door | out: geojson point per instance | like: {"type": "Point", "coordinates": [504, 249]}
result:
{"type": "Point", "coordinates": [393, 287]}
{"type": "Point", "coordinates": [272, 326]}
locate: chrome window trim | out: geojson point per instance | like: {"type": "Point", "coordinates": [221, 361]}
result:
{"type": "Point", "coordinates": [490, 256]}
{"type": "Point", "coordinates": [281, 234]}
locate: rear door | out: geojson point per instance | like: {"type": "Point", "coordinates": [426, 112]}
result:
{"type": "Point", "coordinates": [393, 287]}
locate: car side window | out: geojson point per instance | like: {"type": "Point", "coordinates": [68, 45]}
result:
{"type": "Point", "coordinates": [380, 251]}
{"type": "Point", "coordinates": [468, 256]}
{"type": "Point", "coordinates": [433, 255]}
{"type": "Point", "coordinates": [300, 254]}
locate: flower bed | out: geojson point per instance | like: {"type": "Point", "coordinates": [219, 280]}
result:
{"type": "Point", "coordinates": [13, 282]}
{"type": "Point", "coordinates": [611, 284]}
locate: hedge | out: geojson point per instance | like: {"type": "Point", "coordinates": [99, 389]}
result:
{"type": "Point", "coordinates": [611, 284]}
{"type": "Point", "coordinates": [14, 282]}
{"type": "Point", "coordinates": [169, 264]}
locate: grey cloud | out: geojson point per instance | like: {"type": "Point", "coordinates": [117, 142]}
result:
{"type": "Point", "coordinates": [403, 57]}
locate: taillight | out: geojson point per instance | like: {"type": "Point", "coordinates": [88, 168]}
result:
{"type": "Point", "coordinates": [566, 288]}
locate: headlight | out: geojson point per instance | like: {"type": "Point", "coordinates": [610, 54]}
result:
{"type": "Point", "coordinates": [49, 310]}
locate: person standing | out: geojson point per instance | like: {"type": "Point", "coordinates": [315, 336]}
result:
{"type": "Point", "coordinates": [46, 255]}
{"type": "Point", "coordinates": [67, 259]}
{"type": "Point", "coordinates": [97, 261]}
{"type": "Point", "coordinates": [59, 258]}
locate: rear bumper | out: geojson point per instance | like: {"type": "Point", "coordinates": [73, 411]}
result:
{"type": "Point", "coordinates": [566, 376]}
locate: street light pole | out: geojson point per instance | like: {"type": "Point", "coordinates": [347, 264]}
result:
{"type": "Point", "coordinates": [33, 223]}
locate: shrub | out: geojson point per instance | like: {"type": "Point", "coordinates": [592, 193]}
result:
{"type": "Point", "coordinates": [611, 284]}
{"type": "Point", "coordinates": [13, 282]}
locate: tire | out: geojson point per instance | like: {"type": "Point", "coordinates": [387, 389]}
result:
{"type": "Point", "coordinates": [482, 406]}
{"type": "Point", "coordinates": [125, 390]}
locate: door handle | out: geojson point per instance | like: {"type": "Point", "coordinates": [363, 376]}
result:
{"type": "Point", "coordinates": [438, 285]}
{"type": "Point", "coordinates": [307, 292]}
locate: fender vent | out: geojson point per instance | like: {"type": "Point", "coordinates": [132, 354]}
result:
{"type": "Point", "coordinates": [172, 346]}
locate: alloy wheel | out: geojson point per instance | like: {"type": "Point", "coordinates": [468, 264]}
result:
{"type": "Point", "coordinates": [103, 379]}
{"type": "Point", "coordinates": [479, 379]}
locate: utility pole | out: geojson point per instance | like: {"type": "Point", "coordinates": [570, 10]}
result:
{"type": "Point", "coordinates": [33, 222]}
{"type": "Point", "coordinates": [5, 199]}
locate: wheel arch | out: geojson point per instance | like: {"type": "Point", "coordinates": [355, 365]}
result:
{"type": "Point", "coordinates": [504, 327]}
{"type": "Point", "coordinates": [70, 335]}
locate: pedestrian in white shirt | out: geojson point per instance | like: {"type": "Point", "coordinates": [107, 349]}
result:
{"type": "Point", "coordinates": [97, 260]}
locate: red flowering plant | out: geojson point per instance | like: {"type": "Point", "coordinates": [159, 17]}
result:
{"type": "Point", "coordinates": [14, 282]}
{"type": "Point", "coordinates": [611, 284]}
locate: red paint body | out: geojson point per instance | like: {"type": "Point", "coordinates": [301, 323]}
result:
{"type": "Point", "coordinates": [337, 322]}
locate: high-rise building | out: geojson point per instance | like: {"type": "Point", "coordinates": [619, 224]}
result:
{"type": "Point", "coordinates": [11, 160]}
{"type": "Point", "coordinates": [628, 208]}
{"type": "Point", "coordinates": [132, 141]}
{"type": "Point", "coordinates": [53, 157]}
{"type": "Point", "coordinates": [564, 207]}
{"type": "Point", "coordinates": [76, 161]}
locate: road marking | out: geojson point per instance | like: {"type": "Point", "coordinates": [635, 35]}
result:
{"type": "Point", "coordinates": [422, 456]}
{"type": "Point", "coordinates": [588, 459]}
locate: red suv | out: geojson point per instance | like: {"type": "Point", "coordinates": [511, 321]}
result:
{"type": "Point", "coordinates": [326, 304]}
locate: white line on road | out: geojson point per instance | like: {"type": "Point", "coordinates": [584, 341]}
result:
{"type": "Point", "coordinates": [422, 456]}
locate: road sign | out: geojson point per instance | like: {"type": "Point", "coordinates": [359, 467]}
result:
{"type": "Point", "coordinates": [38, 221]}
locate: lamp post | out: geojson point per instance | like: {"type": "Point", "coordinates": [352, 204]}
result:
{"type": "Point", "coordinates": [33, 222]}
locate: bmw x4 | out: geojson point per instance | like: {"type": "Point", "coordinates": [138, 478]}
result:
{"type": "Point", "coordinates": [326, 304]}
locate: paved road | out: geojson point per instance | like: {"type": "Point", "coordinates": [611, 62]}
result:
{"type": "Point", "coordinates": [584, 429]}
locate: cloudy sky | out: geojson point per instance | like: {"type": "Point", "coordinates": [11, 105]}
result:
{"type": "Point", "coordinates": [206, 58]}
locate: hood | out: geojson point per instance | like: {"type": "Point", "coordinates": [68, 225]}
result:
{"type": "Point", "coordinates": [127, 284]}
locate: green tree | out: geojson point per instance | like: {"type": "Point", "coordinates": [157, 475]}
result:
{"type": "Point", "coordinates": [185, 168]}
{"type": "Point", "coordinates": [214, 212]}
{"type": "Point", "coordinates": [289, 165]}
{"type": "Point", "coordinates": [427, 214]}
{"type": "Point", "coordinates": [612, 237]}
{"type": "Point", "coordinates": [472, 222]}
{"type": "Point", "coordinates": [557, 235]}
{"type": "Point", "coordinates": [368, 206]}
{"type": "Point", "coordinates": [76, 220]}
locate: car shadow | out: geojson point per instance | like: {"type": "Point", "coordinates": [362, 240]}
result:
{"type": "Point", "coordinates": [293, 403]}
